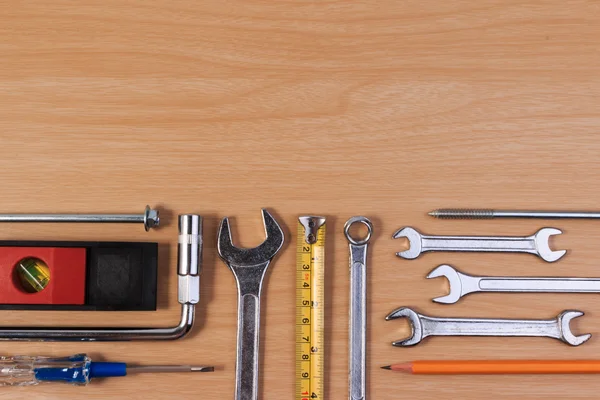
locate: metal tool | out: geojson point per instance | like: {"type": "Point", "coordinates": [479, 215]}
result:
{"type": "Point", "coordinates": [249, 267]}
{"type": "Point", "coordinates": [485, 213]}
{"type": "Point", "coordinates": [189, 261]}
{"type": "Point", "coordinates": [149, 218]}
{"type": "Point", "coordinates": [358, 309]}
{"type": "Point", "coordinates": [310, 308]}
{"type": "Point", "coordinates": [77, 370]}
{"type": "Point", "coordinates": [423, 326]}
{"type": "Point", "coordinates": [537, 244]}
{"type": "Point", "coordinates": [462, 284]}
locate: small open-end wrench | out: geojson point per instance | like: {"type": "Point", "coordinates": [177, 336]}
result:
{"type": "Point", "coordinates": [423, 326]}
{"type": "Point", "coordinates": [537, 244]}
{"type": "Point", "coordinates": [249, 267]}
{"type": "Point", "coordinates": [357, 376]}
{"type": "Point", "coordinates": [462, 284]}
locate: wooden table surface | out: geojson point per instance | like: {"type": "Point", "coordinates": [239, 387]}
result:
{"type": "Point", "coordinates": [382, 108]}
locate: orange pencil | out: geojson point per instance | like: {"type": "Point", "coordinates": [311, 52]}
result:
{"type": "Point", "coordinates": [498, 367]}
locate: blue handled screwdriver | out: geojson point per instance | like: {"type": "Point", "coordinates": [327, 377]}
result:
{"type": "Point", "coordinates": [77, 370]}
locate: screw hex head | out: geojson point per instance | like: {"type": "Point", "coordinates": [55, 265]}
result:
{"type": "Point", "coordinates": [151, 218]}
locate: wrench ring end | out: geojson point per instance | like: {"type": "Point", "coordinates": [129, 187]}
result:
{"type": "Point", "coordinates": [358, 219]}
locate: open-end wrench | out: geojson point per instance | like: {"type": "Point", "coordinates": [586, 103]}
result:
{"type": "Point", "coordinates": [249, 267]}
{"type": "Point", "coordinates": [357, 374]}
{"type": "Point", "coordinates": [537, 244]}
{"type": "Point", "coordinates": [462, 284]}
{"type": "Point", "coordinates": [423, 326]}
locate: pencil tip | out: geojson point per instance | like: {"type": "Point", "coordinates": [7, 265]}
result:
{"type": "Point", "coordinates": [387, 367]}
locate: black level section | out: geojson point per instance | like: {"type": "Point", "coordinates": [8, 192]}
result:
{"type": "Point", "coordinates": [120, 276]}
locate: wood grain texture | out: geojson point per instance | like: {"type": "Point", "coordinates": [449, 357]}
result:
{"type": "Point", "coordinates": [382, 108]}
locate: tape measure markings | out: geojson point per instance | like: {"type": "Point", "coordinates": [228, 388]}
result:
{"type": "Point", "coordinates": [310, 308]}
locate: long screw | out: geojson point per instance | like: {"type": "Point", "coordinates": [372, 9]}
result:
{"type": "Point", "coordinates": [149, 218]}
{"type": "Point", "coordinates": [458, 213]}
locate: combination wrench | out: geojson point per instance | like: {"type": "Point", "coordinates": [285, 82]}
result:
{"type": "Point", "coordinates": [423, 326]}
{"type": "Point", "coordinates": [462, 284]}
{"type": "Point", "coordinates": [249, 267]}
{"type": "Point", "coordinates": [357, 376]}
{"type": "Point", "coordinates": [537, 244]}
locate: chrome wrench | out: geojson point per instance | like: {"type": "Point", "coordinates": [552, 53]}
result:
{"type": "Point", "coordinates": [358, 309]}
{"type": "Point", "coordinates": [537, 244]}
{"type": "Point", "coordinates": [249, 267]}
{"type": "Point", "coordinates": [462, 284]}
{"type": "Point", "coordinates": [423, 326]}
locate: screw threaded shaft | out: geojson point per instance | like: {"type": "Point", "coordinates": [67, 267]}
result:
{"type": "Point", "coordinates": [462, 213]}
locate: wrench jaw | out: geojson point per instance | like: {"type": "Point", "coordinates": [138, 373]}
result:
{"type": "Point", "coordinates": [564, 321]}
{"type": "Point", "coordinates": [416, 326]}
{"type": "Point", "coordinates": [542, 244]}
{"type": "Point", "coordinates": [264, 252]}
{"type": "Point", "coordinates": [414, 240]}
{"type": "Point", "coordinates": [454, 281]}
{"type": "Point", "coordinates": [460, 284]}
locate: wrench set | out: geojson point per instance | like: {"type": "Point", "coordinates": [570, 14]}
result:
{"type": "Point", "coordinates": [462, 284]}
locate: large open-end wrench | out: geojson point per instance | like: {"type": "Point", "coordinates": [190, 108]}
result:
{"type": "Point", "coordinates": [249, 267]}
{"type": "Point", "coordinates": [462, 284]}
{"type": "Point", "coordinates": [537, 244]}
{"type": "Point", "coordinates": [423, 326]}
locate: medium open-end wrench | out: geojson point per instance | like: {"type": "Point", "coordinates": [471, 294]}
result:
{"type": "Point", "coordinates": [249, 267]}
{"type": "Point", "coordinates": [537, 244]}
{"type": "Point", "coordinates": [462, 284]}
{"type": "Point", "coordinates": [357, 376]}
{"type": "Point", "coordinates": [423, 326]}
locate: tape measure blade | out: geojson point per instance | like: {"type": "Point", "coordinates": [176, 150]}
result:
{"type": "Point", "coordinates": [310, 315]}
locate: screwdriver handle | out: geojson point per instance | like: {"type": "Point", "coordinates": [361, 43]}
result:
{"type": "Point", "coordinates": [76, 370]}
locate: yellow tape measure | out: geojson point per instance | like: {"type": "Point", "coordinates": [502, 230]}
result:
{"type": "Point", "coordinates": [310, 308]}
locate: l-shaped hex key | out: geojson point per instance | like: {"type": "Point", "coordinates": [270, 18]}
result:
{"type": "Point", "coordinates": [189, 269]}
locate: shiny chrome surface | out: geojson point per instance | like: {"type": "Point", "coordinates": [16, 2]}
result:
{"type": "Point", "coordinates": [537, 244]}
{"type": "Point", "coordinates": [486, 213]}
{"type": "Point", "coordinates": [357, 378]}
{"type": "Point", "coordinates": [423, 326]}
{"type": "Point", "coordinates": [462, 284]}
{"type": "Point", "coordinates": [149, 218]}
{"type": "Point", "coordinates": [249, 267]}
{"type": "Point", "coordinates": [189, 253]}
